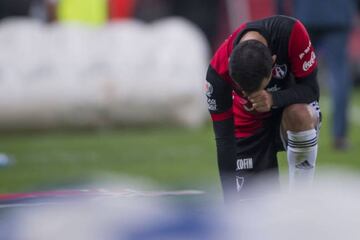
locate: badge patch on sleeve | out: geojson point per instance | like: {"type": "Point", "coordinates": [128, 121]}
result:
{"type": "Point", "coordinates": [208, 89]}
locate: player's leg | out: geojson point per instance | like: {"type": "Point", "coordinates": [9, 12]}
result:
{"type": "Point", "coordinates": [300, 128]}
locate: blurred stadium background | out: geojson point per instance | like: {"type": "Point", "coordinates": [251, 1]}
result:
{"type": "Point", "coordinates": [92, 91]}
{"type": "Point", "coordinates": [119, 92]}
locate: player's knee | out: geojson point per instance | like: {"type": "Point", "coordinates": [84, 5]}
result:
{"type": "Point", "coordinates": [298, 117]}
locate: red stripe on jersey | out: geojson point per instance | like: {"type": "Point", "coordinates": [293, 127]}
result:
{"type": "Point", "coordinates": [217, 117]}
{"type": "Point", "coordinates": [246, 122]}
{"type": "Point", "coordinates": [301, 52]}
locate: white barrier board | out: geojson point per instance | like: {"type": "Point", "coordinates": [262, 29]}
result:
{"type": "Point", "coordinates": [124, 73]}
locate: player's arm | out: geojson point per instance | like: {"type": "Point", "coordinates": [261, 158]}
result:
{"type": "Point", "coordinates": [219, 98]}
{"type": "Point", "coordinates": [304, 67]}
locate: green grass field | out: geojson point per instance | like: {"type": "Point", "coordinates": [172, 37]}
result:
{"type": "Point", "coordinates": [176, 158]}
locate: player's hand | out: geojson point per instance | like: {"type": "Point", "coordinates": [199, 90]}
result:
{"type": "Point", "coordinates": [262, 101]}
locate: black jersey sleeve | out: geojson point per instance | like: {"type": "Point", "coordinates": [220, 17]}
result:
{"type": "Point", "coordinates": [225, 146]}
{"type": "Point", "coordinates": [219, 98]}
{"type": "Point", "coordinates": [306, 90]}
{"type": "Point", "coordinates": [219, 95]}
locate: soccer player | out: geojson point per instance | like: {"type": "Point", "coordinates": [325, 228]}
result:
{"type": "Point", "coordinates": [262, 94]}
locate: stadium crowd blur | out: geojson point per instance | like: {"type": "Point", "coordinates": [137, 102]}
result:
{"type": "Point", "coordinates": [218, 18]}
{"type": "Point", "coordinates": [98, 12]}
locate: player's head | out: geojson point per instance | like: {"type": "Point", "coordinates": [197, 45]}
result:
{"type": "Point", "coordinates": [250, 65]}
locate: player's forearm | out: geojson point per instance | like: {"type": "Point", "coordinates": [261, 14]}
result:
{"type": "Point", "coordinates": [305, 91]}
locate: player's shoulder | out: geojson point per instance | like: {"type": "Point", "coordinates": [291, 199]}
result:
{"type": "Point", "coordinates": [280, 19]}
{"type": "Point", "coordinates": [276, 23]}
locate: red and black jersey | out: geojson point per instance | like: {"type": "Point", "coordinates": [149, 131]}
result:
{"type": "Point", "coordinates": [293, 75]}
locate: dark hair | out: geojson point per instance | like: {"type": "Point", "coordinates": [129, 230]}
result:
{"type": "Point", "coordinates": [250, 62]}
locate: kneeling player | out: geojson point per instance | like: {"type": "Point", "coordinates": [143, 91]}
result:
{"type": "Point", "coordinates": [263, 98]}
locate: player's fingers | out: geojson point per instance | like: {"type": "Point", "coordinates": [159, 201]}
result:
{"type": "Point", "coordinates": [257, 98]}
{"type": "Point", "coordinates": [261, 107]}
{"type": "Point", "coordinates": [255, 94]}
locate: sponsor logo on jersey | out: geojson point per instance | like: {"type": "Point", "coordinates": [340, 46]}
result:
{"type": "Point", "coordinates": [279, 71]}
{"type": "Point", "coordinates": [306, 51]}
{"type": "Point", "coordinates": [239, 183]}
{"type": "Point", "coordinates": [308, 64]}
{"type": "Point", "coordinates": [209, 89]}
{"type": "Point", "coordinates": [244, 163]}
{"type": "Point", "coordinates": [212, 104]}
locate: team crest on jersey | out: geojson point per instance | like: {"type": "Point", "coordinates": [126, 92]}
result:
{"type": "Point", "coordinates": [279, 71]}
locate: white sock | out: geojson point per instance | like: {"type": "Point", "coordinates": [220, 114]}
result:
{"type": "Point", "coordinates": [301, 155]}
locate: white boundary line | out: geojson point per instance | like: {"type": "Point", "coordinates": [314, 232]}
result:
{"type": "Point", "coordinates": [34, 204]}
{"type": "Point", "coordinates": [98, 193]}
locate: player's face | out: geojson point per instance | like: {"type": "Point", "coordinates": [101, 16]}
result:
{"type": "Point", "coordinates": [265, 82]}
